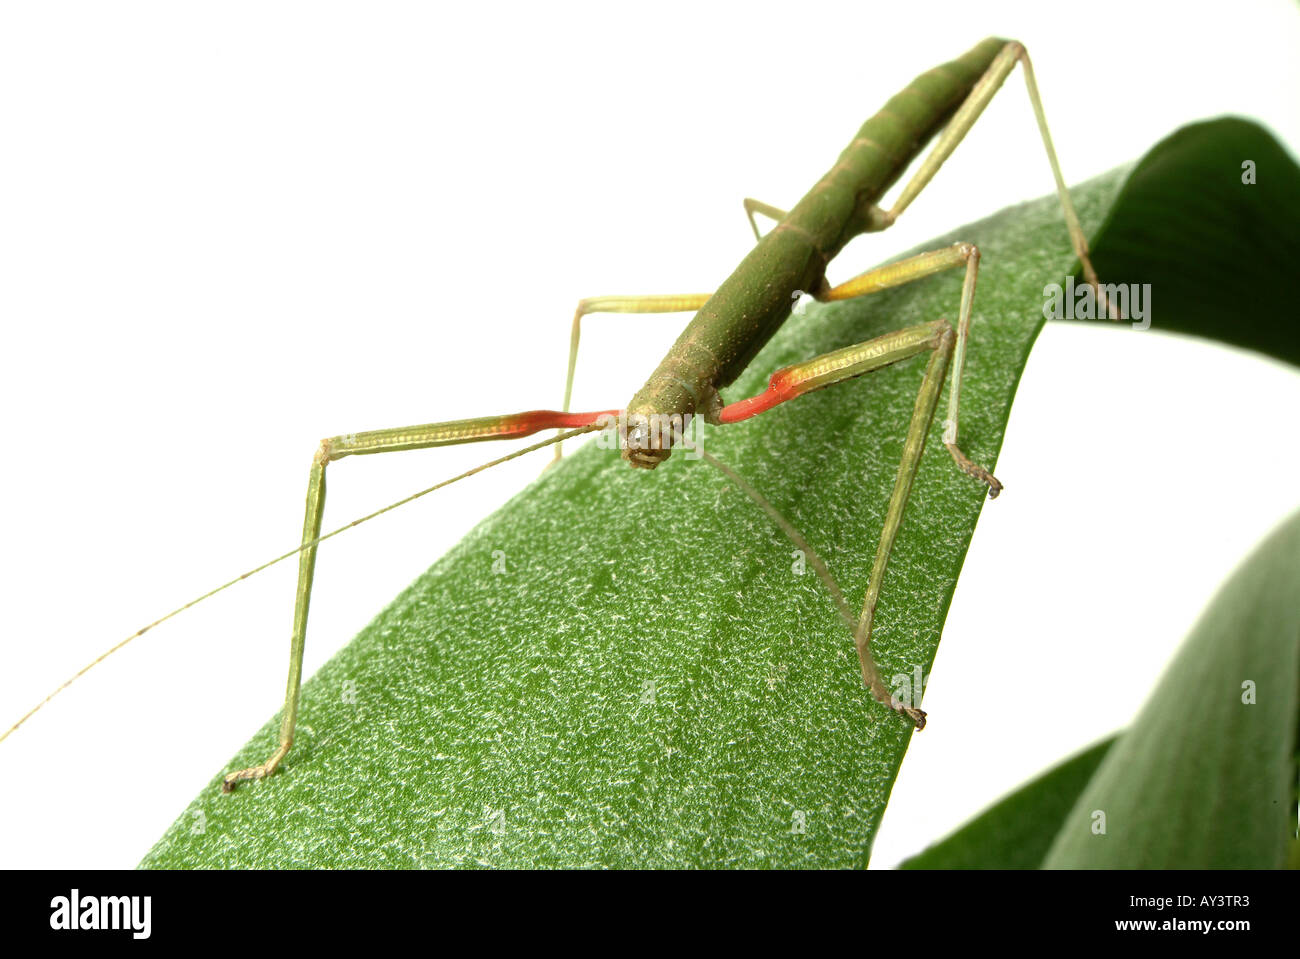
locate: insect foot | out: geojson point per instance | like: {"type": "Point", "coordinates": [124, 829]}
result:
{"type": "Point", "coordinates": [975, 470]}
{"type": "Point", "coordinates": [916, 715]}
{"type": "Point", "coordinates": [254, 772]}
{"type": "Point", "coordinates": [234, 779]}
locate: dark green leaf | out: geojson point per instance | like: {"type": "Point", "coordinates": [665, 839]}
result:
{"type": "Point", "coordinates": [1219, 254]}
{"type": "Point", "coordinates": [1206, 776]}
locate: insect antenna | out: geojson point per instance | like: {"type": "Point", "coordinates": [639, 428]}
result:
{"type": "Point", "coordinates": [561, 437]}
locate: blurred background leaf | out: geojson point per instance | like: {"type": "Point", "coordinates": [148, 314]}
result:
{"type": "Point", "coordinates": [1016, 832]}
{"type": "Point", "coordinates": [1206, 776]}
{"type": "Point", "coordinates": [1220, 255]}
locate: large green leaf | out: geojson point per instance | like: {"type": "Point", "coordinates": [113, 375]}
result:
{"type": "Point", "coordinates": [1206, 776]}
{"type": "Point", "coordinates": [1017, 831]}
{"type": "Point", "coordinates": [649, 682]}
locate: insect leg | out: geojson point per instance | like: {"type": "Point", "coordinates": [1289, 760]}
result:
{"type": "Point", "coordinates": [753, 206]}
{"type": "Point", "coordinates": [881, 278]}
{"type": "Point", "coordinates": [848, 363]}
{"type": "Point", "coordinates": [914, 268]}
{"type": "Point", "coordinates": [377, 441]}
{"type": "Point", "coordinates": [666, 303]}
{"type": "Point", "coordinates": [960, 125]}
{"type": "Point", "coordinates": [853, 361]}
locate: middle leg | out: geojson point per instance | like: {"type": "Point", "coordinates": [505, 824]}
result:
{"type": "Point", "coordinates": [848, 363]}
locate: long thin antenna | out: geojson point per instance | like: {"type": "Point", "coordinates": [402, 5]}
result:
{"type": "Point", "coordinates": [870, 673]}
{"type": "Point", "coordinates": [559, 438]}
{"type": "Point", "coordinates": [796, 537]}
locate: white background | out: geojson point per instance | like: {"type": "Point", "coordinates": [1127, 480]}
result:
{"type": "Point", "coordinates": [229, 230]}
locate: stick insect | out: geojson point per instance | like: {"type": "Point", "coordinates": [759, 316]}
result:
{"type": "Point", "coordinates": [732, 324]}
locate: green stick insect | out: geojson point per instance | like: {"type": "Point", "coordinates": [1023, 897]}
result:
{"type": "Point", "coordinates": [729, 328]}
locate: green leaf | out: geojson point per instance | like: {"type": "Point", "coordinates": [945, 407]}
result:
{"type": "Point", "coordinates": [650, 683]}
{"type": "Point", "coordinates": [1194, 784]}
{"type": "Point", "coordinates": [1017, 831]}
{"type": "Point", "coordinates": [1204, 779]}
{"type": "Point", "coordinates": [1219, 254]}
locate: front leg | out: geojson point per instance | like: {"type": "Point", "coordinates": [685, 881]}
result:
{"type": "Point", "coordinates": [836, 367]}
{"type": "Point", "coordinates": [381, 441]}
